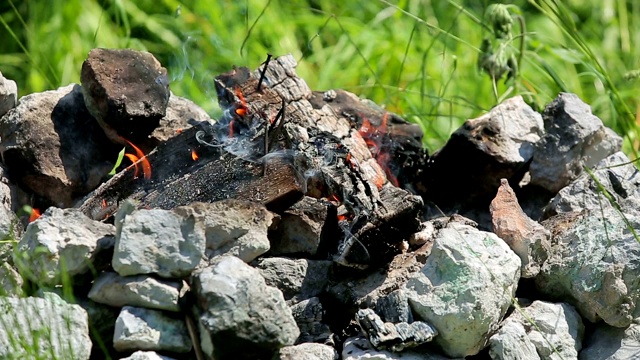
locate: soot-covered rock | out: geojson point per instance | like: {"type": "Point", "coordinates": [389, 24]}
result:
{"type": "Point", "coordinates": [127, 91]}
{"type": "Point", "coordinates": [298, 279]}
{"type": "Point", "coordinates": [394, 336]}
{"type": "Point", "coordinates": [145, 329]}
{"type": "Point", "coordinates": [181, 114]}
{"type": "Point", "coordinates": [309, 315]}
{"type": "Point", "coordinates": [8, 95]}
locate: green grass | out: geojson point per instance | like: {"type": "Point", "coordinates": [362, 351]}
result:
{"type": "Point", "coordinates": [417, 58]}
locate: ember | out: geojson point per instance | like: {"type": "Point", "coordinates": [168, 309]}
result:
{"type": "Point", "coordinates": [378, 142]}
{"type": "Point", "coordinates": [194, 155]}
{"type": "Point", "coordinates": [35, 214]}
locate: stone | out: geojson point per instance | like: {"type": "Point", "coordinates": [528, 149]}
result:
{"type": "Point", "coordinates": [8, 219]}
{"type": "Point", "coordinates": [163, 242]}
{"type": "Point", "coordinates": [359, 348]}
{"type": "Point", "coordinates": [528, 239]}
{"type": "Point", "coordinates": [54, 148]}
{"type": "Point", "coordinates": [232, 227]}
{"type": "Point", "coordinates": [145, 329]}
{"type": "Point", "coordinates": [616, 173]}
{"type": "Point", "coordinates": [146, 355]}
{"type": "Point", "coordinates": [181, 114]}
{"type": "Point", "coordinates": [298, 279]}
{"type": "Point", "coordinates": [309, 315]}
{"type": "Point", "coordinates": [574, 138]}
{"type": "Point", "coordinates": [465, 287]}
{"type": "Point", "coordinates": [8, 95]}
{"type": "Point", "coordinates": [141, 290]}
{"type": "Point", "coordinates": [61, 243]}
{"type": "Point", "coordinates": [300, 228]}
{"type": "Point", "coordinates": [611, 343]}
{"type": "Point", "coordinates": [556, 335]}
{"type": "Point", "coordinates": [238, 314]}
{"type": "Point", "coordinates": [127, 91]}
{"type": "Point", "coordinates": [395, 337]}
{"type": "Point", "coordinates": [594, 264]}
{"type": "Point", "coordinates": [43, 328]}
{"type": "Point", "coordinates": [307, 351]}
{"type": "Point", "coordinates": [10, 281]}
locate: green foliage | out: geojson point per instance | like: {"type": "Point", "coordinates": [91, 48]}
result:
{"type": "Point", "coordinates": [418, 58]}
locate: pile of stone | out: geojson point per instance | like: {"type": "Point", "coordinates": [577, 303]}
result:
{"type": "Point", "coordinates": [543, 264]}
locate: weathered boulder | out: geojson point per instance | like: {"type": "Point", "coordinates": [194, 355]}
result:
{"type": "Point", "coordinates": [240, 316]}
{"type": "Point", "coordinates": [528, 239]}
{"type": "Point", "coordinates": [146, 355]}
{"type": "Point", "coordinates": [232, 227]}
{"type": "Point", "coordinates": [298, 279]}
{"type": "Point", "coordinates": [141, 290]}
{"type": "Point", "coordinates": [8, 95]}
{"type": "Point", "coordinates": [309, 315]}
{"type": "Point", "coordinates": [53, 146]}
{"type": "Point", "coordinates": [127, 91]}
{"type": "Point", "coordinates": [594, 264]}
{"type": "Point", "coordinates": [10, 281]}
{"type": "Point", "coordinates": [611, 343]}
{"type": "Point", "coordinates": [465, 287]}
{"type": "Point", "coordinates": [25, 321]}
{"type": "Point", "coordinates": [554, 330]}
{"type": "Point", "coordinates": [145, 329]}
{"type": "Point", "coordinates": [616, 174]}
{"type": "Point", "coordinates": [8, 219]}
{"type": "Point", "coordinates": [574, 138]}
{"type": "Point", "coordinates": [300, 228]}
{"type": "Point", "coordinates": [168, 243]}
{"type": "Point", "coordinates": [61, 243]}
{"type": "Point", "coordinates": [307, 351]}
{"type": "Point", "coordinates": [393, 336]}
{"type": "Point", "coordinates": [359, 348]}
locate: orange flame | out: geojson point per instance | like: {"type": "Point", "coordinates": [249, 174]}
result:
{"type": "Point", "coordinates": [242, 109]}
{"type": "Point", "coordinates": [134, 159]}
{"type": "Point", "coordinates": [35, 214]}
{"type": "Point", "coordinates": [146, 166]}
{"type": "Point", "coordinates": [374, 137]}
{"type": "Point", "coordinates": [342, 217]}
{"type": "Point", "coordinates": [194, 155]}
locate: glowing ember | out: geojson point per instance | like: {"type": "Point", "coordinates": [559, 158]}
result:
{"type": "Point", "coordinates": [35, 214]}
{"type": "Point", "coordinates": [342, 217]}
{"type": "Point", "coordinates": [242, 109]}
{"type": "Point", "coordinates": [194, 155]}
{"type": "Point", "coordinates": [378, 142]}
{"type": "Point", "coordinates": [178, 131]}
{"type": "Point", "coordinates": [104, 203]}
{"type": "Point", "coordinates": [146, 166]}
{"type": "Point", "coordinates": [231, 128]}
{"type": "Point", "coordinates": [334, 198]}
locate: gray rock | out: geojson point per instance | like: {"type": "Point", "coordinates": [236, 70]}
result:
{"type": "Point", "coordinates": [61, 242]}
{"type": "Point", "coordinates": [610, 343]}
{"type": "Point", "coordinates": [181, 114]}
{"type": "Point", "coordinates": [307, 351]}
{"type": "Point", "coordinates": [298, 279]}
{"type": "Point", "coordinates": [145, 329]}
{"type": "Point", "coordinates": [53, 146]}
{"type": "Point", "coordinates": [239, 315]}
{"type": "Point", "coordinates": [465, 287]}
{"type": "Point", "coordinates": [10, 281]}
{"type": "Point", "coordinates": [512, 343]}
{"type": "Point", "coordinates": [300, 228]}
{"type": "Point", "coordinates": [594, 264]}
{"type": "Point", "coordinates": [528, 239]}
{"type": "Point", "coordinates": [359, 348]}
{"type": "Point", "coordinates": [143, 291]}
{"type": "Point", "coordinates": [127, 91]}
{"type": "Point", "coordinates": [232, 227]}
{"type": "Point", "coordinates": [556, 335]}
{"type": "Point", "coordinates": [43, 328]}
{"type": "Point", "coordinates": [8, 219]}
{"type": "Point", "coordinates": [575, 138]}
{"type": "Point", "coordinates": [8, 95]}
{"type": "Point", "coordinates": [163, 242]}
{"type": "Point", "coordinates": [146, 355]}
{"type": "Point", "coordinates": [616, 173]}
{"type": "Point", "coordinates": [395, 337]}
{"type": "Point", "coordinates": [308, 315]}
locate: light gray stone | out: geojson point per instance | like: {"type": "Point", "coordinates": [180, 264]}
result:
{"type": "Point", "coordinates": [298, 279]}
{"type": "Point", "coordinates": [145, 329]}
{"type": "Point", "coordinates": [575, 138]}
{"type": "Point", "coordinates": [43, 328]}
{"type": "Point", "coordinates": [141, 290]}
{"type": "Point", "coordinates": [181, 114]}
{"type": "Point", "coordinates": [308, 351]}
{"type": "Point", "coordinates": [511, 343]}
{"type": "Point", "coordinates": [239, 315]}
{"type": "Point", "coordinates": [146, 355]}
{"type": "Point", "coordinates": [610, 343]}
{"type": "Point", "coordinates": [594, 264]}
{"type": "Point", "coordinates": [8, 95]}
{"type": "Point", "coordinates": [465, 287]}
{"type": "Point", "coordinates": [9, 228]}
{"type": "Point", "coordinates": [359, 348]}
{"type": "Point", "coordinates": [61, 242]}
{"type": "Point", "coordinates": [157, 241]}
{"type": "Point", "coordinates": [232, 227]}
{"type": "Point", "coordinates": [10, 281]}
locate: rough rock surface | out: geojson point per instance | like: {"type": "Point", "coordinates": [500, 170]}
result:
{"type": "Point", "coordinates": [10, 281]}
{"type": "Point", "coordinates": [393, 336]}
{"type": "Point", "coordinates": [309, 315]}
{"type": "Point", "coordinates": [594, 265]}
{"type": "Point", "coordinates": [145, 329]}
{"type": "Point", "coordinates": [232, 227]}
{"type": "Point", "coordinates": [7, 216]}
{"type": "Point", "coordinates": [610, 343]}
{"type": "Point", "coordinates": [156, 241]}
{"type": "Point", "coordinates": [298, 279]}
{"type": "Point", "coordinates": [359, 348]}
{"type": "Point", "coordinates": [557, 333]}
{"type": "Point", "coordinates": [61, 242]}
{"type": "Point", "coordinates": [181, 113]}
{"type": "Point", "coordinates": [574, 138]}
{"type": "Point", "coordinates": [308, 351]}
{"type": "Point", "coordinates": [238, 314]}
{"type": "Point", "coordinates": [300, 228]}
{"type": "Point", "coordinates": [465, 287]}
{"type": "Point", "coordinates": [528, 239]}
{"type": "Point", "coordinates": [102, 322]}
{"type": "Point", "coordinates": [142, 290]}
{"type": "Point", "coordinates": [146, 355]}
{"type": "Point", "coordinates": [616, 173]}
{"type": "Point", "coordinates": [53, 146]}
{"type": "Point", "coordinates": [127, 91]}
{"type": "Point", "coordinates": [66, 326]}
{"type": "Point", "coordinates": [8, 95]}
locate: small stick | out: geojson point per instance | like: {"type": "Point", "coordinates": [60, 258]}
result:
{"type": "Point", "coordinates": [264, 71]}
